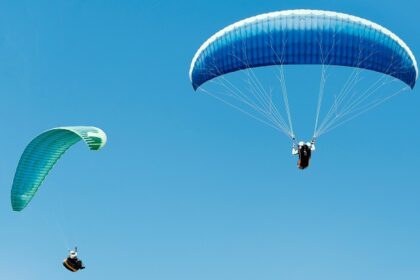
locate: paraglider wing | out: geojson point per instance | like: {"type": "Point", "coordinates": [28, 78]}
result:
{"type": "Point", "coordinates": [303, 37]}
{"type": "Point", "coordinates": [42, 153]}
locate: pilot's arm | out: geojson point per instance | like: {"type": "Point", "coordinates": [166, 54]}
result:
{"type": "Point", "coordinates": [311, 145]}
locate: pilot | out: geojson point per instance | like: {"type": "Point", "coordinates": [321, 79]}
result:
{"type": "Point", "coordinates": [304, 150]}
{"type": "Point", "coordinates": [73, 263]}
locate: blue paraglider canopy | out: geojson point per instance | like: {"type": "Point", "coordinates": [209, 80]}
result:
{"type": "Point", "coordinates": [303, 37]}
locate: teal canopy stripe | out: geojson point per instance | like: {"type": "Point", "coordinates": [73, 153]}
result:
{"type": "Point", "coordinates": [303, 37]}
{"type": "Point", "coordinates": [42, 153]}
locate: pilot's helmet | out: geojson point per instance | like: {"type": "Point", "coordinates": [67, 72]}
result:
{"type": "Point", "coordinates": [73, 254]}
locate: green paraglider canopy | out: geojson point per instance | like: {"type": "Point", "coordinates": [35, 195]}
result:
{"type": "Point", "coordinates": [42, 153]}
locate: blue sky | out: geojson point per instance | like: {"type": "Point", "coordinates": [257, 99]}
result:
{"type": "Point", "coordinates": [188, 188]}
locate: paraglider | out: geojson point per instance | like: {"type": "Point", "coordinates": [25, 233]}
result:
{"type": "Point", "coordinates": [301, 37]}
{"type": "Point", "coordinates": [72, 262]}
{"type": "Point", "coordinates": [39, 157]}
{"type": "Point", "coordinates": [42, 153]}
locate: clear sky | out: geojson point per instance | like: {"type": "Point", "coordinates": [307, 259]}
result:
{"type": "Point", "coordinates": [188, 188]}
